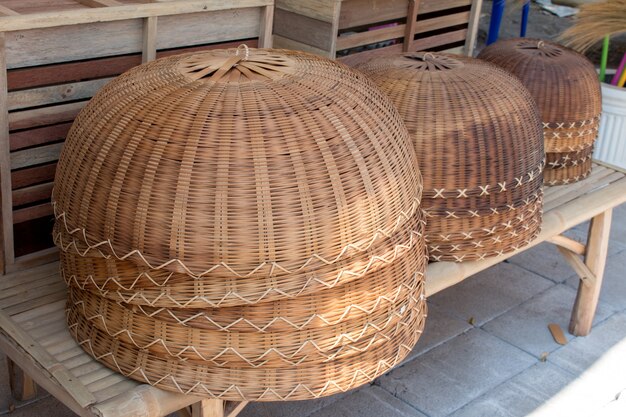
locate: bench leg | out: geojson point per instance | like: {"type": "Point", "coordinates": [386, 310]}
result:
{"type": "Point", "coordinates": [213, 408]}
{"type": "Point", "coordinates": [595, 259]}
{"type": "Point", "coordinates": [208, 408]}
{"type": "Point", "coordinates": [22, 386]}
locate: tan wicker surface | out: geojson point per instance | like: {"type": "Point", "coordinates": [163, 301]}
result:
{"type": "Point", "coordinates": [243, 224]}
{"type": "Point", "coordinates": [565, 85]}
{"type": "Point", "coordinates": [478, 139]}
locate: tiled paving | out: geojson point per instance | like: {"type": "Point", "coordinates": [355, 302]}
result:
{"type": "Point", "coordinates": [486, 351]}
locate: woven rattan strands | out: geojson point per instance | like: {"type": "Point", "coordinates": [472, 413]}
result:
{"type": "Point", "coordinates": [565, 85]}
{"type": "Point", "coordinates": [478, 139]}
{"type": "Point", "coordinates": [242, 224]}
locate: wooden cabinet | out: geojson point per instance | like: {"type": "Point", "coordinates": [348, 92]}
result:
{"type": "Point", "coordinates": [352, 30]}
{"type": "Point", "coordinates": [55, 54]}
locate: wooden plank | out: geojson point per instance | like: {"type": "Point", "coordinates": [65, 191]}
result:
{"type": "Point", "coordinates": [71, 72]}
{"type": "Point", "coordinates": [110, 379]}
{"type": "Point", "coordinates": [25, 277]}
{"type": "Point", "coordinates": [266, 26]}
{"type": "Point", "coordinates": [89, 69]}
{"type": "Point", "coordinates": [430, 6]}
{"type": "Point", "coordinates": [109, 14]}
{"type": "Point", "coordinates": [357, 58]}
{"type": "Point", "coordinates": [100, 3]}
{"type": "Point", "coordinates": [285, 43]}
{"type": "Point", "coordinates": [26, 7]}
{"type": "Point", "coordinates": [144, 400]}
{"type": "Point", "coordinates": [73, 357]}
{"type": "Point", "coordinates": [315, 33]}
{"type": "Point", "coordinates": [472, 29]}
{"type": "Point", "coordinates": [38, 136]}
{"type": "Point", "coordinates": [34, 317]}
{"type": "Point", "coordinates": [425, 44]}
{"type": "Point", "coordinates": [553, 192]}
{"type": "Point", "coordinates": [25, 48]}
{"type": "Point", "coordinates": [595, 259]}
{"type": "Point", "coordinates": [208, 408]}
{"type": "Point", "coordinates": [125, 37]}
{"type": "Point", "coordinates": [32, 194]}
{"type": "Point", "coordinates": [585, 274]}
{"type": "Point", "coordinates": [569, 244]}
{"type": "Point", "coordinates": [441, 22]}
{"type": "Point", "coordinates": [46, 295]}
{"type": "Point", "coordinates": [578, 191]}
{"type": "Point", "coordinates": [39, 374]}
{"type": "Point", "coordinates": [323, 10]}
{"type": "Point", "coordinates": [45, 115]}
{"type": "Point", "coordinates": [148, 50]}
{"type": "Point", "coordinates": [62, 375]}
{"type": "Point", "coordinates": [366, 12]}
{"type": "Point", "coordinates": [46, 333]}
{"type": "Point", "coordinates": [370, 36]}
{"type": "Point", "coordinates": [22, 386]}
{"type": "Point", "coordinates": [115, 390]}
{"type": "Point", "coordinates": [33, 212]}
{"type": "Point", "coordinates": [5, 166]}
{"type": "Point", "coordinates": [5, 11]}
{"type": "Point", "coordinates": [34, 175]}
{"type": "Point", "coordinates": [203, 28]}
{"type": "Point", "coordinates": [411, 21]}
{"type": "Point", "coordinates": [54, 94]}
{"type": "Point", "coordinates": [36, 156]}
{"type": "Point", "coordinates": [34, 259]}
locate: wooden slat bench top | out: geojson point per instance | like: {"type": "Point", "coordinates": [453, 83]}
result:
{"type": "Point", "coordinates": [32, 312]}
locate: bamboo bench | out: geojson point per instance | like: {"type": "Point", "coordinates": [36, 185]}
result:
{"type": "Point", "coordinates": [34, 336]}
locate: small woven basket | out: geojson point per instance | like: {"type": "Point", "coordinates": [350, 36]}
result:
{"type": "Point", "coordinates": [478, 139]}
{"type": "Point", "coordinates": [565, 85]}
{"type": "Point", "coordinates": [242, 224]}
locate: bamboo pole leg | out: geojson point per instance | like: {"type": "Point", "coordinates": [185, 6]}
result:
{"type": "Point", "coordinates": [208, 408]}
{"type": "Point", "coordinates": [23, 387]}
{"type": "Point", "coordinates": [595, 259]}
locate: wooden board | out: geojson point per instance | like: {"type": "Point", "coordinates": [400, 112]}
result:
{"type": "Point", "coordinates": [97, 40]}
{"type": "Point", "coordinates": [304, 29]}
{"type": "Point", "coordinates": [29, 176]}
{"type": "Point", "coordinates": [38, 136]}
{"type": "Point", "coordinates": [364, 12]}
{"type": "Point", "coordinates": [324, 10]}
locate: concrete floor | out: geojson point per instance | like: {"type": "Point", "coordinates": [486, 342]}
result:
{"type": "Point", "coordinates": [486, 351]}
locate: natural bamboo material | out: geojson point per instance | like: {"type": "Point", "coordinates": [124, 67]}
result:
{"type": "Point", "coordinates": [242, 224]}
{"type": "Point", "coordinates": [26, 298]}
{"type": "Point", "coordinates": [565, 85]}
{"type": "Point", "coordinates": [478, 139]}
{"type": "Point", "coordinates": [45, 80]}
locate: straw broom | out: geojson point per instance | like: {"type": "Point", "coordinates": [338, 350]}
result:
{"type": "Point", "coordinates": [594, 22]}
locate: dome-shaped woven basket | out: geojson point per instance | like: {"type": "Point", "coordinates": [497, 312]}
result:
{"type": "Point", "coordinates": [565, 85]}
{"type": "Point", "coordinates": [478, 139]}
{"type": "Point", "coordinates": [242, 224]}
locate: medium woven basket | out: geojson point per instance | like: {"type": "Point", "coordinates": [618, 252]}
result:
{"type": "Point", "coordinates": [565, 85]}
{"type": "Point", "coordinates": [478, 139]}
{"type": "Point", "coordinates": [242, 224]}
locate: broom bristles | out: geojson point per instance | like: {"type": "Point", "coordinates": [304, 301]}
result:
{"type": "Point", "coordinates": [594, 22]}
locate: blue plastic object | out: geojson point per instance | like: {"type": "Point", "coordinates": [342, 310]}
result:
{"type": "Point", "coordinates": [525, 10]}
{"type": "Point", "coordinates": [497, 10]}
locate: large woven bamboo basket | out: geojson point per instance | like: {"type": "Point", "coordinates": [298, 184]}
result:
{"type": "Point", "coordinates": [478, 138]}
{"type": "Point", "coordinates": [565, 85]}
{"type": "Point", "coordinates": [242, 224]}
